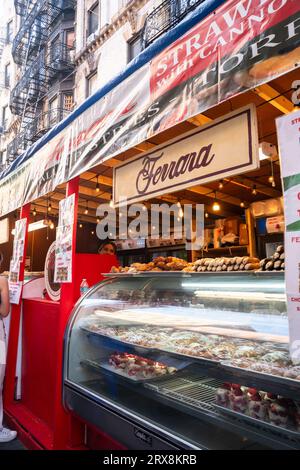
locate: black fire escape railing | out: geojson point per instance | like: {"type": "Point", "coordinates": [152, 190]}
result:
{"type": "Point", "coordinates": [35, 129]}
{"type": "Point", "coordinates": [60, 59]}
{"type": "Point", "coordinates": [167, 15]}
{"type": "Point", "coordinates": [45, 121]}
{"type": "Point", "coordinates": [32, 83]}
{"type": "Point", "coordinates": [34, 29]}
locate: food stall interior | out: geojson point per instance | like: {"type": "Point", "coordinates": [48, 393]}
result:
{"type": "Point", "coordinates": [209, 330]}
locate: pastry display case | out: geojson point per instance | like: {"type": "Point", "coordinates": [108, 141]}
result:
{"type": "Point", "coordinates": [179, 360]}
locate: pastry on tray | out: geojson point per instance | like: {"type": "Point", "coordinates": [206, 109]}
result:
{"type": "Point", "coordinates": [223, 395]}
{"type": "Point", "coordinates": [139, 367]}
{"type": "Point", "coordinates": [238, 399]}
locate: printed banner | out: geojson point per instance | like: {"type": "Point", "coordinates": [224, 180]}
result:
{"type": "Point", "coordinates": [239, 46]}
{"type": "Point", "coordinates": [197, 157]}
{"type": "Point", "coordinates": [288, 128]}
{"type": "Point", "coordinates": [15, 286]}
{"type": "Point", "coordinates": [64, 241]}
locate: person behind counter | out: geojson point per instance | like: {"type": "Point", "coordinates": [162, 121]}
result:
{"type": "Point", "coordinates": [6, 435]}
{"type": "Point", "coordinates": [107, 248]}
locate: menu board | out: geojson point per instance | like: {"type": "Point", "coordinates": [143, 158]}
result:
{"type": "Point", "coordinates": [15, 285]}
{"type": "Point", "coordinates": [64, 241]}
{"type": "Point", "coordinates": [288, 128]}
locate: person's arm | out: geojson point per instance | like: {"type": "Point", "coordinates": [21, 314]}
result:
{"type": "Point", "coordinates": [4, 292]}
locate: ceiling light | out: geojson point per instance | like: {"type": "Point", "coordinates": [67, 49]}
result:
{"type": "Point", "coordinates": [254, 191]}
{"type": "Point", "coordinates": [34, 211]}
{"type": "Point", "coordinates": [216, 206]}
{"type": "Point", "coordinates": [242, 204]}
{"type": "Point", "coordinates": [271, 179]}
{"type": "Point", "coordinates": [86, 211]}
{"type": "Point", "coordinates": [111, 203]}
{"type": "Point", "coordinates": [97, 186]}
{"type": "Point", "coordinates": [221, 184]}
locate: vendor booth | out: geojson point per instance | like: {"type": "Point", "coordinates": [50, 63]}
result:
{"type": "Point", "coordinates": [173, 346]}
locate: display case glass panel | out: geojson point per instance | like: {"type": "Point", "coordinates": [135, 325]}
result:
{"type": "Point", "coordinates": [158, 347]}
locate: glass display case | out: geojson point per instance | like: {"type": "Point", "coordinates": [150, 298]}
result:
{"type": "Point", "coordinates": [185, 361]}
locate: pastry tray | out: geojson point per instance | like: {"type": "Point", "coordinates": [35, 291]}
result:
{"type": "Point", "coordinates": [196, 359]}
{"type": "Point", "coordinates": [119, 342]}
{"type": "Point", "coordinates": [273, 379]}
{"type": "Point", "coordinates": [192, 273]}
{"type": "Point", "coordinates": [106, 368]}
{"type": "Point", "coordinates": [257, 422]}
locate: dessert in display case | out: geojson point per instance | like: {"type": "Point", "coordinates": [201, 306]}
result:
{"type": "Point", "coordinates": [185, 360]}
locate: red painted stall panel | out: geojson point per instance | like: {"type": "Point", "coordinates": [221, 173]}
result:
{"type": "Point", "coordinates": [39, 362]}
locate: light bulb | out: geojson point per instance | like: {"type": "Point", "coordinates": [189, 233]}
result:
{"type": "Point", "coordinates": [181, 214]}
{"type": "Point", "coordinates": [206, 215]}
{"type": "Point", "coordinates": [34, 211]}
{"type": "Point", "coordinates": [273, 184]}
{"type": "Point", "coordinates": [86, 211]}
{"type": "Point", "coordinates": [254, 192]}
{"type": "Point", "coordinates": [97, 188]}
{"type": "Point", "coordinates": [242, 204]}
{"type": "Point", "coordinates": [52, 225]}
{"type": "Point", "coordinates": [221, 184]}
{"type": "Point", "coordinates": [98, 220]}
{"type": "Point", "coordinates": [144, 208]}
{"type": "Point", "coordinates": [178, 204]}
{"type": "Point", "coordinates": [111, 203]}
{"type": "Point", "coordinates": [271, 179]}
{"type": "Point", "coordinates": [50, 207]}
{"type": "Point", "coordinates": [92, 232]}
{"type": "Point", "coordinates": [80, 225]}
{"type": "Point", "coordinates": [216, 206]}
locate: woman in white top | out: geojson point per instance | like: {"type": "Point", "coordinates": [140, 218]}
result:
{"type": "Point", "coordinates": [6, 435]}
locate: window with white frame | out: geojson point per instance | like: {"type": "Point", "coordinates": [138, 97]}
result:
{"type": "Point", "coordinates": [93, 19]}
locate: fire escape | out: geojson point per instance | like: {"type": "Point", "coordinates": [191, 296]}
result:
{"type": "Point", "coordinates": [167, 15]}
{"type": "Point", "coordinates": [40, 63]}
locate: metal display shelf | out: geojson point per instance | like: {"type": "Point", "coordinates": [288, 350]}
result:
{"type": "Point", "coordinates": [195, 395]}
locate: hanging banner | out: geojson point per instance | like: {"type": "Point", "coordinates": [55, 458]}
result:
{"type": "Point", "coordinates": [15, 286]}
{"type": "Point", "coordinates": [64, 241]}
{"type": "Point", "coordinates": [198, 157]}
{"type": "Point", "coordinates": [241, 45]}
{"type": "Point", "coordinates": [288, 128]}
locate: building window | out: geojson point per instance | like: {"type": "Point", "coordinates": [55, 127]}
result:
{"type": "Point", "coordinates": [5, 117]}
{"type": "Point", "coordinates": [70, 39]}
{"type": "Point", "coordinates": [134, 47]}
{"type": "Point", "coordinates": [55, 51]}
{"type": "Point", "coordinates": [53, 111]}
{"type": "Point", "coordinates": [3, 157]}
{"type": "Point", "coordinates": [68, 101]}
{"type": "Point", "coordinates": [7, 75]}
{"type": "Point", "coordinates": [93, 19]}
{"type": "Point", "coordinates": [9, 32]}
{"type": "Point", "coordinates": [91, 84]}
